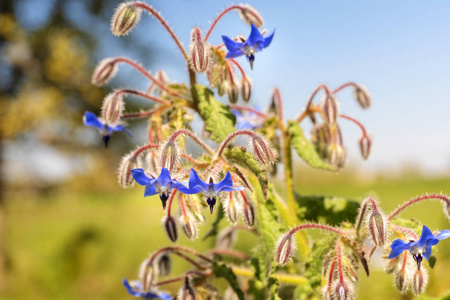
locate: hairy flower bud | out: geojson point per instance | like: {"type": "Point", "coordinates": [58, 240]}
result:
{"type": "Point", "coordinates": [104, 71]}
{"type": "Point", "coordinates": [200, 54]}
{"type": "Point", "coordinates": [362, 96]}
{"type": "Point", "coordinates": [246, 89]}
{"type": "Point", "coordinates": [402, 280]}
{"type": "Point", "coordinates": [232, 208]}
{"type": "Point", "coordinates": [285, 249]}
{"type": "Point", "coordinates": [321, 138]}
{"type": "Point", "coordinates": [147, 274]}
{"type": "Point", "coordinates": [250, 15]}
{"type": "Point", "coordinates": [126, 16]}
{"type": "Point", "coordinates": [187, 292]}
{"type": "Point", "coordinates": [248, 212]}
{"type": "Point", "coordinates": [337, 155]}
{"type": "Point", "coordinates": [169, 155]}
{"type": "Point", "coordinates": [330, 109]}
{"type": "Point", "coordinates": [189, 226]}
{"type": "Point", "coordinates": [365, 143]}
{"type": "Point", "coordinates": [343, 290]}
{"type": "Point", "coordinates": [112, 108]}
{"type": "Point", "coordinates": [377, 226]}
{"type": "Point", "coordinates": [164, 264]}
{"type": "Point", "coordinates": [171, 228]}
{"type": "Point", "coordinates": [127, 164]}
{"type": "Point", "coordinates": [262, 150]}
{"type": "Point", "coordinates": [232, 90]}
{"type": "Point", "coordinates": [446, 208]}
{"type": "Point", "coordinates": [420, 280]}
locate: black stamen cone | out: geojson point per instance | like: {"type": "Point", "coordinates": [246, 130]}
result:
{"type": "Point", "coordinates": [251, 59]}
{"type": "Point", "coordinates": [164, 197]}
{"type": "Point", "coordinates": [211, 202]}
{"type": "Point", "coordinates": [106, 140]}
{"type": "Point", "coordinates": [419, 261]}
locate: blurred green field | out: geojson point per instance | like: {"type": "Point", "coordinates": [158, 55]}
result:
{"type": "Point", "coordinates": [79, 245]}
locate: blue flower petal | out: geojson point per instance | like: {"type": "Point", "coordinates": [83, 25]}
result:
{"type": "Point", "coordinates": [424, 237]}
{"type": "Point", "coordinates": [195, 182]}
{"type": "Point", "coordinates": [397, 247]}
{"type": "Point", "coordinates": [90, 119]}
{"type": "Point", "coordinates": [150, 190]}
{"type": "Point", "coordinates": [443, 234]}
{"type": "Point", "coordinates": [164, 178]}
{"type": "Point", "coordinates": [254, 38]}
{"type": "Point", "coordinates": [232, 189]}
{"type": "Point", "coordinates": [120, 128]}
{"type": "Point", "coordinates": [234, 54]}
{"type": "Point", "coordinates": [131, 290]}
{"type": "Point", "coordinates": [140, 176]}
{"type": "Point", "coordinates": [182, 187]}
{"type": "Point", "coordinates": [427, 253]}
{"type": "Point", "coordinates": [227, 181]}
{"type": "Point", "coordinates": [267, 41]}
{"type": "Point", "coordinates": [232, 46]}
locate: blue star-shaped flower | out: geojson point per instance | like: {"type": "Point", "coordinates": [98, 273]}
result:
{"type": "Point", "coordinates": [254, 43]}
{"type": "Point", "coordinates": [90, 119]}
{"type": "Point", "coordinates": [211, 190]}
{"type": "Point", "coordinates": [163, 185]}
{"type": "Point", "coordinates": [135, 289]}
{"type": "Point", "coordinates": [247, 120]}
{"type": "Point", "coordinates": [420, 248]}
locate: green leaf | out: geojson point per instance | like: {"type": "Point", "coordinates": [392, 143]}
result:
{"type": "Point", "coordinates": [219, 121]}
{"type": "Point", "coordinates": [305, 149]}
{"type": "Point", "coordinates": [221, 270]}
{"type": "Point", "coordinates": [243, 158]}
{"type": "Point", "coordinates": [314, 263]}
{"type": "Point", "coordinates": [324, 209]}
{"type": "Point", "coordinates": [432, 261]}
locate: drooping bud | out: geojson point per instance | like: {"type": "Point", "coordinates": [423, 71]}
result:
{"type": "Point", "coordinates": [126, 16]}
{"type": "Point", "coordinates": [171, 227]}
{"type": "Point", "coordinates": [330, 109]}
{"type": "Point", "coordinates": [164, 264]}
{"type": "Point", "coordinates": [321, 138]}
{"type": "Point", "coordinates": [248, 212]}
{"type": "Point", "coordinates": [446, 208]}
{"type": "Point", "coordinates": [187, 292]}
{"type": "Point", "coordinates": [232, 90]}
{"type": "Point", "coordinates": [189, 226]}
{"type": "Point", "coordinates": [147, 274]}
{"type": "Point", "coordinates": [127, 164]}
{"type": "Point", "coordinates": [112, 108]}
{"type": "Point", "coordinates": [285, 249]}
{"type": "Point", "coordinates": [169, 156]}
{"type": "Point", "coordinates": [232, 208]}
{"type": "Point", "coordinates": [402, 280]}
{"type": "Point", "coordinates": [362, 96]}
{"type": "Point", "coordinates": [420, 280]}
{"type": "Point", "coordinates": [104, 71]}
{"type": "Point", "coordinates": [343, 290]}
{"type": "Point", "coordinates": [200, 55]}
{"type": "Point", "coordinates": [365, 143]}
{"type": "Point", "coordinates": [337, 155]}
{"type": "Point", "coordinates": [194, 208]}
{"type": "Point", "coordinates": [246, 89]}
{"type": "Point", "coordinates": [250, 15]}
{"type": "Point", "coordinates": [262, 150]}
{"type": "Point", "coordinates": [377, 226]}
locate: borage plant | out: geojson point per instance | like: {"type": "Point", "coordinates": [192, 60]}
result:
{"type": "Point", "coordinates": [238, 179]}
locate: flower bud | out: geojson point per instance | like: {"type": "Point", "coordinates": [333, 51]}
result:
{"type": "Point", "coordinates": [112, 109]}
{"type": "Point", "coordinates": [250, 15]}
{"type": "Point", "coordinates": [246, 88]}
{"type": "Point", "coordinates": [402, 280]}
{"type": "Point", "coordinates": [169, 156]}
{"type": "Point", "coordinates": [189, 226]}
{"type": "Point", "coordinates": [446, 208]}
{"type": "Point", "coordinates": [362, 96]}
{"type": "Point", "coordinates": [233, 92]}
{"type": "Point", "coordinates": [187, 292]}
{"type": "Point", "coordinates": [104, 71]}
{"type": "Point", "coordinates": [377, 227]}
{"type": "Point", "coordinates": [420, 280]}
{"type": "Point", "coordinates": [330, 109]}
{"type": "Point", "coordinates": [220, 89]}
{"type": "Point", "coordinates": [337, 155]}
{"type": "Point", "coordinates": [126, 16]}
{"type": "Point", "coordinates": [321, 138]}
{"type": "Point", "coordinates": [285, 249]}
{"type": "Point", "coordinates": [262, 150]}
{"type": "Point", "coordinates": [127, 164]}
{"type": "Point", "coordinates": [343, 290]}
{"type": "Point", "coordinates": [365, 143]}
{"type": "Point", "coordinates": [164, 264]}
{"type": "Point", "coordinates": [232, 208]}
{"type": "Point", "coordinates": [147, 274]}
{"type": "Point", "coordinates": [200, 56]}
{"type": "Point", "coordinates": [249, 214]}
{"type": "Point", "coordinates": [171, 228]}
{"type": "Point", "coordinates": [193, 207]}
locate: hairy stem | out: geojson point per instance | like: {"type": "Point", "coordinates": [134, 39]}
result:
{"type": "Point", "coordinates": [219, 17]}
{"type": "Point", "coordinates": [190, 134]}
{"type": "Point", "coordinates": [143, 148]}
{"type": "Point", "coordinates": [307, 110]}
{"type": "Point", "coordinates": [354, 121]}
{"type": "Point", "coordinates": [418, 199]}
{"type": "Point", "coordinates": [141, 94]}
{"type": "Point", "coordinates": [362, 212]}
{"type": "Point", "coordinates": [316, 226]}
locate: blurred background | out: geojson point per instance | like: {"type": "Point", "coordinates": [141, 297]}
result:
{"type": "Point", "coordinates": [67, 231]}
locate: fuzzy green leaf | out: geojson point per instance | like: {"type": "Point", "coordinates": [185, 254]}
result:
{"type": "Point", "coordinates": [324, 209]}
{"type": "Point", "coordinates": [314, 263]}
{"type": "Point", "coordinates": [219, 121]}
{"type": "Point", "coordinates": [305, 149]}
{"type": "Point", "coordinates": [221, 270]}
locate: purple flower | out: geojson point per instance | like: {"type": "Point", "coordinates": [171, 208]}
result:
{"type": "Point", "coordinates": [254, 43]}
{"type": "Point", "coordinates": [135, 289]}
{"type": "Point", "coordinates": [163, 185]}
{"type": "Point", "coordinates": [247, 120]}
{"type": "Point", "coordinates": [90, 119]}
{"type": "Point", "coordinates": [211, 190]}
{"type": "Point", "coordinates": [420, 248]}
